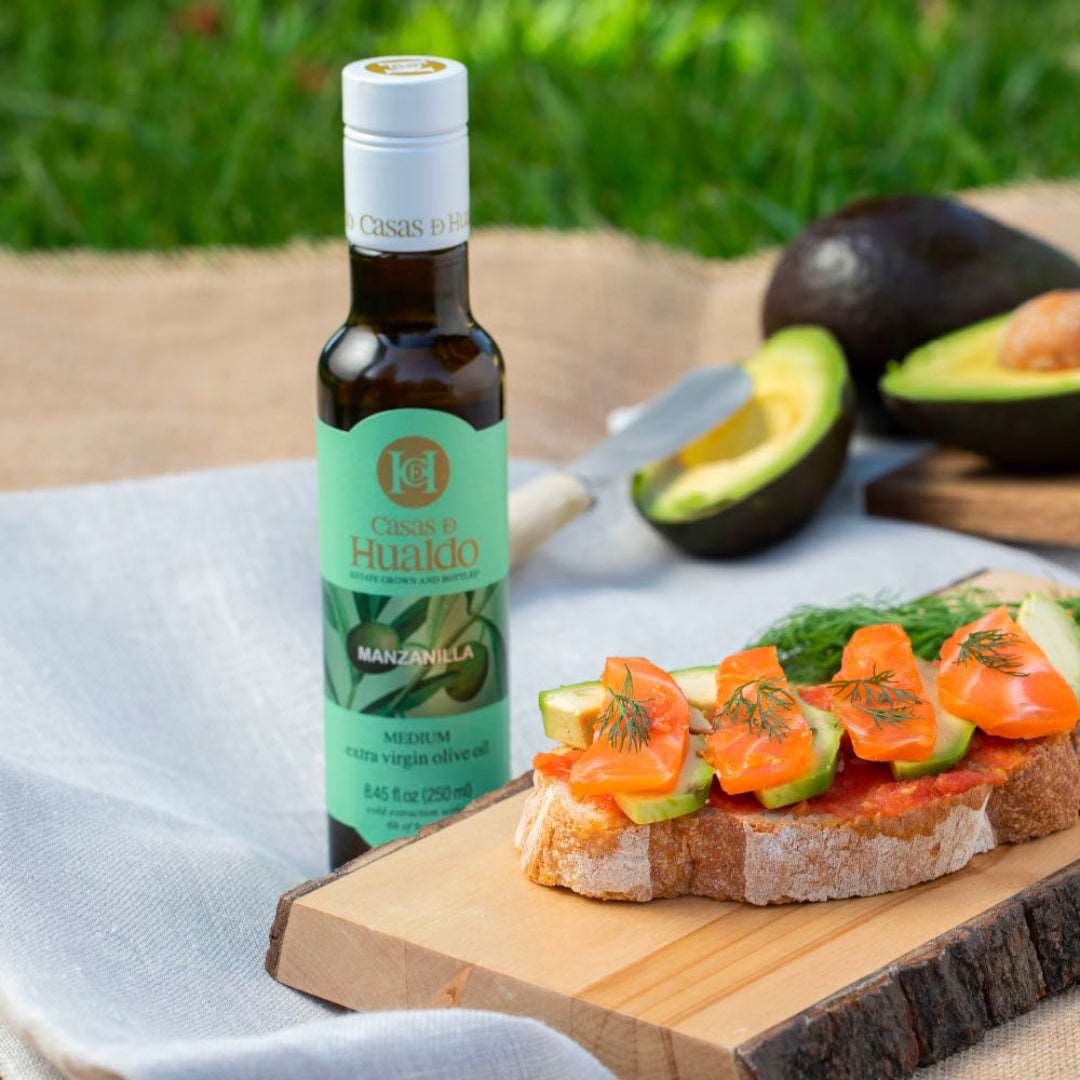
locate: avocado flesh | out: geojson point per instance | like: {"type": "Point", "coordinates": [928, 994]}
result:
{"type": "Point", "coordinates": [570, 712]}
{"type": "Point", "coordinates": [820, 772]}
{"type": "Point", "coordinates": [691, 791]}
{"type": "Point", "coordinates": [964, 367]}
{"type": "Point", "coordinates": [1055, 631]}
{"type": "Point", "coordinates": [798, 377]}
{"type": "Point", "coordinates": [761, 473]}
{"type": "Point", "coordinates": [952, 739]}
{"type": "Point", "coordinates": [955, 392]}
{"type": "Point", "coordinates": [889, 274]}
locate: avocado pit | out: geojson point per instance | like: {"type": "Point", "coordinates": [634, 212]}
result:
{"type": "Point", "coordinates": [1044, 333]}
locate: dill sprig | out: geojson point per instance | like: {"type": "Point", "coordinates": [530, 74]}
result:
{"type": "Point", "coordinates": [625, 719]}
{"type": "Point", "coordinates": [810, 640]}
{"type": "Point", "coordinates": [877, 697]}
{"type": "Point", "coordinates": [764, 714]}
{"type": "Point", "coordinates": [991, 649]}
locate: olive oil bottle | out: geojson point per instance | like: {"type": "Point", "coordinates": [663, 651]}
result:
{"type": "Point", "coordinates": [412, 475]}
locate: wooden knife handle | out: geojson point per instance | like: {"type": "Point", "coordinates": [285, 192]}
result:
{"type": "Point", "coordinates": [542, 507]}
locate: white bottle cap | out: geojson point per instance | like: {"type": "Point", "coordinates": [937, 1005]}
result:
{"type": "Point", "coordinates": [405, 95]}
{"type": "Point", "coordinates": [406, 153]}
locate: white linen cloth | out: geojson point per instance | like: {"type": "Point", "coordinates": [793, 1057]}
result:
{"type": "Point", "coordinates": [161, 753]}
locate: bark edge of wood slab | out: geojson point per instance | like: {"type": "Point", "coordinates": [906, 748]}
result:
{"type": "Point", "coordinates": [938, 999]}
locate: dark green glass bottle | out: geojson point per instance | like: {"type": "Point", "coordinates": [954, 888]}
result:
{"type": "Point", "coordinates": [412, 476]}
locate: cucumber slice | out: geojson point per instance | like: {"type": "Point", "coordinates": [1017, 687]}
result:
{"type": "Point", "coordinates": [821, 771]}
{"type": "Point", "coordinates": [691, 792]}
{"type": "Point", "coordinates": [699, 686]}
{"type": "Point", "coordinates": [953, 734]}
{"type": "Point", "coordinates": [953, 737]}
{"type": "Point", "coordinates": [1055, 631]}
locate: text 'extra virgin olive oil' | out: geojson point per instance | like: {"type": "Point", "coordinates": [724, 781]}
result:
{"type": "Point", "coordinates": [412, 476]}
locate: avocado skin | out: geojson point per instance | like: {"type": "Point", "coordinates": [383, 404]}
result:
{"type": "Point", "coordinates": [1031, 433]}
{"type": "Point", "coordinates": [773, 511]}
{"type": "Point", "coordinates": [887, 275]}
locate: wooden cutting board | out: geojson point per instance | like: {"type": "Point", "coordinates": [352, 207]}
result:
{"type": "Point", "coordinates": [691, 987]}
{"type": "Point", "coordinates": [959, 490]}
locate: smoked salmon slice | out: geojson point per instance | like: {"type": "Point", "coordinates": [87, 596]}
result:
{"type": "Point", "coordinates": [879, 697]}
{"type": "Point", "coordinates": [640, 738]}
{"type": "Point", "coordinates": [994, 675]}
{"type": "Point", "coordinates": [761, 737]}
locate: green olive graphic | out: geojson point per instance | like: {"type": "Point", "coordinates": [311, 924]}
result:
{"type": "Point", "coordinates": [371, 647]}
{"type": "Point", "coordinates": [468, 675]}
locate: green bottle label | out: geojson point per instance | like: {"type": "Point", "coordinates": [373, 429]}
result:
{"type": "Point", "coordinates": [414, 551]}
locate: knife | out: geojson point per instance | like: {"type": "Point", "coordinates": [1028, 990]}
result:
{"type": "Point", "coordinates": [694, 405]}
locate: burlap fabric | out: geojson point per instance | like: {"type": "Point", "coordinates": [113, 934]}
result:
{"type": "Point", "coordinates": [130, 365]}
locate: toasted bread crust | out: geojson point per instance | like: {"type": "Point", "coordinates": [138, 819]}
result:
{"type": "Point", "coordinates": [1042, 796]}
{"type": "Point", "coordinates": [771, 857]}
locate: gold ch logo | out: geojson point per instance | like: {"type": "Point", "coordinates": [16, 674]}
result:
{"type": "Point", "coordinates": [413, 471]}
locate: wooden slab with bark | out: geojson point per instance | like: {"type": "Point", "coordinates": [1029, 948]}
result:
{"type": "Point", "coordinates": [875, 986]}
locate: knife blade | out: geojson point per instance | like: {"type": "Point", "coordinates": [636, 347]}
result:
{"type": "Point", "coordinates": [661, 427]}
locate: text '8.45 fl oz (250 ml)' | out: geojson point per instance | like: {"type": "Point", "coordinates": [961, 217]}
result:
{"type": "Point", "coordinates": [412, 476]}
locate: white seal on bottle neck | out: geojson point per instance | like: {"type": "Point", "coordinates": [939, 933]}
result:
{"type": "Point", "coordinates": [406, 153]}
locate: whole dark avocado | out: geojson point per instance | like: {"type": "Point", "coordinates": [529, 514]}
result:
{"type": "Point", "coordinates": [887, 275]}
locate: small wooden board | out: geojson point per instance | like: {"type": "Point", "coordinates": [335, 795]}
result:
{"type": "Point", "coordinates": [959, 490]}
{"type": "Point", "coordinates": [674, 988]}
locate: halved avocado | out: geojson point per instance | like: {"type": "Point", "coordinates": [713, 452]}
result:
{"type": "Point", "coordinates": [954, 391]}
{"type": "Point", "coordinates": [570, 712]}
{"type": "Point", "coordinates": [820, 772]}
{"type": "Point", "coordinates": [1055, 631]}
{"type": "Point", "coordinates": [690, 793]}
{"type": "Point", "coordinates": [758, 476]}
{"type": "Point", "coordinates": [952, 739]}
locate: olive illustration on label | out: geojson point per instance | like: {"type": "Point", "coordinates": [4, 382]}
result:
{"type": "Point", "coordinates": [371, 647]}
{"type": "Point", "coordinates": [468, 675]}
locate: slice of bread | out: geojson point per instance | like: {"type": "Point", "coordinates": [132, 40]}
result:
{"type": "Point", "coordinates": [823, 849]}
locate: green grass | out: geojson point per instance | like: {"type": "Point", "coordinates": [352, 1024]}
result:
{"type": "Point", "coordinates": [710, 125]}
